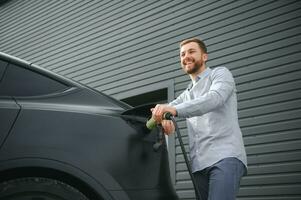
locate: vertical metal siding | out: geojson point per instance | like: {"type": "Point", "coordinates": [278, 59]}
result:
{"type": "Point", "coordinates": [119, 46]}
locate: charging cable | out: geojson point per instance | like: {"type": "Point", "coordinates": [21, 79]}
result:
{"type": "Point", "coordinates": [196, 189]}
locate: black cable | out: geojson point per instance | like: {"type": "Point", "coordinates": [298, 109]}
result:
{"type": "Point", "coordinates": [196, 189]}
{"type": "Point", "coordinates": [151, 123]}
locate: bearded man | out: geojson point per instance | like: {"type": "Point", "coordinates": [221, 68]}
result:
{"type": "Point", "coordinates": [209, 105]}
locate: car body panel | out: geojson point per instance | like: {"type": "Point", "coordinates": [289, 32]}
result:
{"type": "Point", "coordinates": [80, 132]}
{"type": "Point", "coordinates": [9, 112]}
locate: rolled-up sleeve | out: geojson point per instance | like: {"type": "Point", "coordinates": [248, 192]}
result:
{"type": "Point", "coordinates": [221, 89]}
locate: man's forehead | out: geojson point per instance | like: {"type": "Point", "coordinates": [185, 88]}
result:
{"type": "Point", "coordinates": [190, 45]}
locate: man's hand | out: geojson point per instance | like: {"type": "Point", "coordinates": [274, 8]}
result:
{"type": "Point", "coordinates": [160, 109]}
{"type": "Point", "coordinates": [168, 127]}
{"type": "Point", "coordinates": [157, 114]}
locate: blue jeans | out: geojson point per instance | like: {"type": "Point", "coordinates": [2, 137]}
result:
{"type": "Point", "coordinates": [220, 181]}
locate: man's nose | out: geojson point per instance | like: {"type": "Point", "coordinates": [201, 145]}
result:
{"type": "Point", "coordinates": [187, 58]}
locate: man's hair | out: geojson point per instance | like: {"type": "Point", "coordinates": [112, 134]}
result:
{"type": "Point", "coordinates": [201, 44]}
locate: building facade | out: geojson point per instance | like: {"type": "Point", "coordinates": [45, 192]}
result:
{"type": "Point", "coordinates": [130, 50]}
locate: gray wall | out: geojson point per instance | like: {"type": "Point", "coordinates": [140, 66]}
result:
{"type": "Point", "coordinates": [125, 47]}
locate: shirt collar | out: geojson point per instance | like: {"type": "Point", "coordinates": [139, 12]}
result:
{"type": "Point", "coordinates": [200, 76]}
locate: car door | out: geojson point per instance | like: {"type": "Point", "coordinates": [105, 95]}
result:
{"type": "Point", "coordinates": [9, 109]}
{"type": "Point", "coordinates": [17, 82]}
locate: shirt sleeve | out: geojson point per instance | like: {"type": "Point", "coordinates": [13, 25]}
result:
{"type": "Point", "coordinates": [221, 89]}
{"type": "Point", "coordinates": [178, 100]}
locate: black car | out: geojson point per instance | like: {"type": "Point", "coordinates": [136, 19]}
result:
{"type": "Point", "coordinates": [62, 140]}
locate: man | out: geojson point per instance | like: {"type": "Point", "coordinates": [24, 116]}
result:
{"type": "Point", "coordinates": [209, 104]}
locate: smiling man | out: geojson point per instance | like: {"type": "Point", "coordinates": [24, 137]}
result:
{"type": "Point", "coordinates": [209, 104]}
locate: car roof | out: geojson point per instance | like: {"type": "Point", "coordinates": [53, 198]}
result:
{"type": "Point", "coordinates": [57, 77]}
{"type": "Point", "coordinates": [41, 70]}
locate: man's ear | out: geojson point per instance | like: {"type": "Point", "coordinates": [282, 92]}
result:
{"type": "Point", "coordinates": [205, 57]}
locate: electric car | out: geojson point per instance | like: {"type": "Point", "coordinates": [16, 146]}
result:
{"type": "Point", "coordinates": [60, 139]}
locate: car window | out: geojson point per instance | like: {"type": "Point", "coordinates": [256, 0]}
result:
{"type": "Point", "coordinates": [22, 82]}
{"type": "Point", "coordinates": [3, 66]}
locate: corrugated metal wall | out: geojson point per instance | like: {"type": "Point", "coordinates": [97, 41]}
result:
{"type": "Point", "coordinates": [120, 47]}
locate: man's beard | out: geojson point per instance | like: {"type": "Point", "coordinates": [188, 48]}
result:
{"type": "Point", "coordinates": [195, 68]}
